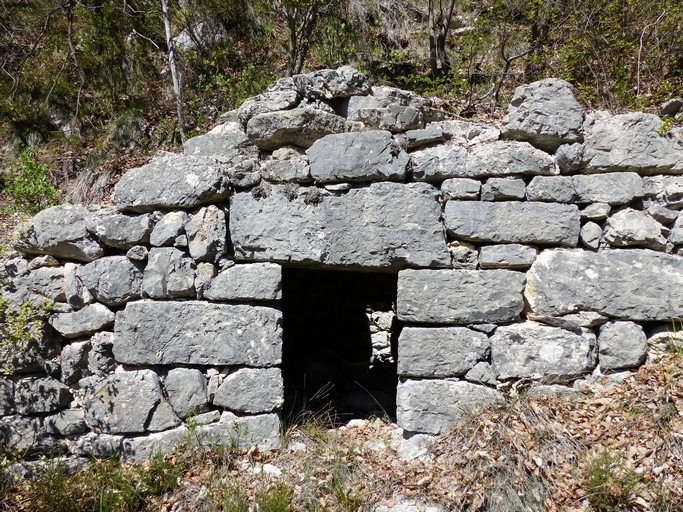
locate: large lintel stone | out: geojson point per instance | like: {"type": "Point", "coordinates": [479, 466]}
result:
{"type": "Point", "coordinates": [195, 332]}
{"type": "Point", "coordinates": [631, 284]}
{"type": "Point", "coordinates": [459, 296]}
{"type": "Point", "coordinates": [387, 225]}
{"type": "Point", "coordinates": [514, 222]}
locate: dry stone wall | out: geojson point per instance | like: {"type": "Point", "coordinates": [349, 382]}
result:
{"type": "Point", "coordinates": [542, 249]}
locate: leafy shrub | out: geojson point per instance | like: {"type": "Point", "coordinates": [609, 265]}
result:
{"type": "Point", "coordinates": [29, 186]}
{"type": "Point", "coordinates": [609, 485]}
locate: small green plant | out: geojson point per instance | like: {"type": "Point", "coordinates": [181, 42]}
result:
{"type": "Point", "coordinates": [610, 487]}
{"type": "Point", "coordinates": [19, 327]}
{"type": "Point", "coordinates": [676, 337]}
{"type": "Point", "coordinates": [668, 122]}
{"type": "Point", "coordinates": [277, 498]}
{"type": "Point", "coordinates": [231, 498]}
{"type": "Point", "coordinates": [28, 185]}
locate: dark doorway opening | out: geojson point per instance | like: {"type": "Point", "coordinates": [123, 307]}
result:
{"type": "Point", "coordinates": [339, 348]}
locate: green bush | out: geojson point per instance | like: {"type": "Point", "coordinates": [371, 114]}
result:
{"type": "Point", "coordinates": [29, 186]}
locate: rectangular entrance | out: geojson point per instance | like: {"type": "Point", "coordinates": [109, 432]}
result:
{"type": "Point", "coordinates": [339, 343]}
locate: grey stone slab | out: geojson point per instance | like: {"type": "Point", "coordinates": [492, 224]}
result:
{"type": "Point", "coordinates": [74, 359]}
{"type": "Point", "coordinates": [96, 445]}
{"type": "Point", "coordinates": [555, 189]}
{"type": "Point", "coordinates": [633, 284]}
{"type": "Point", "coordinates": [121, 231]}
{"type": "Point", "coordinates": [676, 235]}
{"type": "Point", "coordinates": [596, 212]}
{"type": "Point", "coordinates": [6, 397]}
{"type": "Point", "coordinates": [461, 188]}
{"type": "Point", "coordinates": [357, 156]}
{"type": "Point", "coordinates": [591, 234]}
{"type": "Point", "coordinates": [186, 390]}
{"type": "Point", "coordinates": [33, 395]}
{"type": "Point", "coordinates": [621, 345]}
{"type": "Point", "coordinates": [388, 225]}
{"type": "Point", "coordinates": [513, 222]}
{"type": "Point", "coordinates": [613, 188]}
{"type": "Point", "coordinates": [459, 296]}
{"type": "Point", "coordinates": [297, 127]}
{"type": "Point", "coordinates": [224, 141]}
{"type": "Point", "coordinates": [508, 158]}
{"type": "Point", "coordinates": [253, 281]}
{"type": "Point", "coordinates": [121, 403]}
{"type": "Point", "coordinates": [633, 228]}
{"type": "Point", "coordinates": [113, 280]}
{"type": "Point", "coordinates": [433, 406]}
{"type": "Point", "coordinates": [194, 332]}
{"type": "Point", "coordinates": [25, 435]}
{"type": "Point", "coordinates": [60, 231]}
{"type": "Point", "coordinates": [169, 273]}
{"type": "Point", "coordinates": [287, 164]}
{"type": "Point", "coordinates": [207, 234]}
{"type": "Point", "coordinates": [663, 190]}
{"type": "Point", "coordinates": [328, 84]}
{"type": "Point", "coordinates": [482, 373]}
{"type": "Point", "coordinates": [86, 321]}
{"type": "Point", "coordinates": [439, 162]}
{"type": "Point", "coordinates": [631, 142]}
{"type": "Point", "coordinates": [663, 215]}
{"type": "Point", "coordinates": [172, 181]}
{"type": "Point", "coordinates": [431, 134]}
{"type": "Point", "coordinates": [70, 422]}
{"type": "Point", "coordinates": [440, 351]}
{"type": "Point", "coordinates": [536, 351]}
{"type": "Point", "coordinates": [251, 391]}
{"type": "Point", "coordinates": [169, 227]}
{"type": "Point", "coordinates": [48, 282]}
{"type": "Point", "coordinates": [509, 256]}
{"type": "Point", "coordinates": [544, 113]}
{"type": "Point", "coordinates": [502, 189]}
{"type": "Point", "coordinates": [393, 117]}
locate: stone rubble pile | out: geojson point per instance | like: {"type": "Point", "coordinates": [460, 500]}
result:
{"type": "Point", "coordinates": [537, 250]}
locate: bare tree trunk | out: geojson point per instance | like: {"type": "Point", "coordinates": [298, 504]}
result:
{"type": "Point", "coordinates": [301, 20]}
{"type": "Point", "coordinates": [438, 33]}
{"type": "Point", "coordinates": [174, 72]}
{"type": "Point", "coordinates": [433, 62]}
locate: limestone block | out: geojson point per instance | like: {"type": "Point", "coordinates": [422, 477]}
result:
{"type": "Point", "coordinates": [328, 84]}
{"type": "Point", "coordinates": [440, 352]}
{"type": "Point", "coordinates": [95, 445]}
{"type": "Point", "coordinates": [278, 97]}
{"type": "Point", "coordinates": [254, 281]}
{"type": "Point", "coordinates": [251, 391]}
{"type": "Point", "coordinates": [621, 345]}
{"type": "Point", "coordinates": [19, 434]}
{"type": "Point", "coordinates": [662, 214]}
{"type": "Point", "coordinates": [195, 332]}
{"type": "Point", "coordinates": [60, 231]}
{"type": "Point", "coordinates": [634, 284]}
{"type": "Point", "coordinates": [86, 321]}
{"type": "Point", "coordinates": [287, 164]}
{"type": "Point", "coordinates": [170, 227]}
{"type": "Point", "coordinates": [225, 141]}
{"type": "Point", "coordinates": [663, 190]}
{"type": "Point", "coordinates": [100, 358]}
{"type": "Point", "coordinates": [591, 234]}
{"type": "Point", "coordinates": [630, 227]}
{"type": "Point", "coordinates": [297, 127]}
{"type": "Point", "coordinates": [172, 181]}
{"type": "Point", "coordinates": [482, 373]}
{"type": "Point", "coordinates": [34, 395]}
{"type": "Point", "coordinates": [394, 226]}
{"type": "Point", "coordinates": [74, 359]}
{"type": "Point", "coordinates": [6, 396]}
{"type": "Point", "coordinates": [121, 231]}
{"type": "Point", "coordinates": [431, 134]}
{"type": "Point", "coordinates": [70, 422]}
{"type": "Point", "coordinates": [544, 113]}
{"type": "Point", "coordinates": [113, 280]}
{"type": "Point", "coordinates": [501, 189]}
{"type": "Point", "coordinates": [555, 189]}
{"type": "Point", "coordinates": [48, 282]}
{"type": "Point", "coordinates": [432, 406]}
{"type": "Point", "coordinates": [394, 117]}
{"type": "Point", "coordinates": [169, 273]}
{"type": "Point", "coordinates": [509, 256]}
{"type": "Point", "coordinates": [596, 212]}
{"type": "Point", "coordinates": [459, 296]}
{"type": "Point", "coordinates": [207, 234]}
{"type": "Point", "coordinates": [631, 142]}
{"type": "Point", "coordinates": [460, 188]}
{"type": "Point", "coordinates": [569, 157]}
{"type": "Point", "coordinates": [186, 389]}
{"type": "Point", "coordinates": [436, 163]}
{"type": "Point", "coordinates": [121, 403]}
{"type": "Point", "coordinates": [508, 158]}
{"type": "Point", "coordinates": [613, 188]}
{"type": "Point", "coordinates": [676, 235]}
{"type": "Point", "coordinates": [513, 222]}
{"type": "Point", "coordinates": [357, 156]}
{"type": "Point", "coordinates": [533, 350]}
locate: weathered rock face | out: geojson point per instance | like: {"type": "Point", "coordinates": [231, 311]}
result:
{"type": "Point", "coordinates": [440, 352]}
{"type": "Point", "coordinates": [544, 113]}
{"type": "Point", "coordinates": [631, 142]}
{"type": "Point", "coordinates": [459, 296]}
{"type": "Point", "coordinates": [60, 231]}
{"type": "Point", "coordinates": [148, 333]}
{"type": "Point", "coordinates": [532, 350]}
{"type": "Point", "coordinates": [359, 156]}
{"type": "Point", "coordinates": [626, 284]}
{"type": "Point", "coordinates": [513, 222]}
{"type": "Point", "coordinates": [173, 304]}
{"type": "Point", "coordinates": [312, 227]}
{"type": "Point", "coordinates": [432, 406]}
{"type": "Point", "coordinates": [172, 181]}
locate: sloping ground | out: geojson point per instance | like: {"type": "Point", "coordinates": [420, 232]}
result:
{"type": "Point", "coordinates": [615, 446]}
